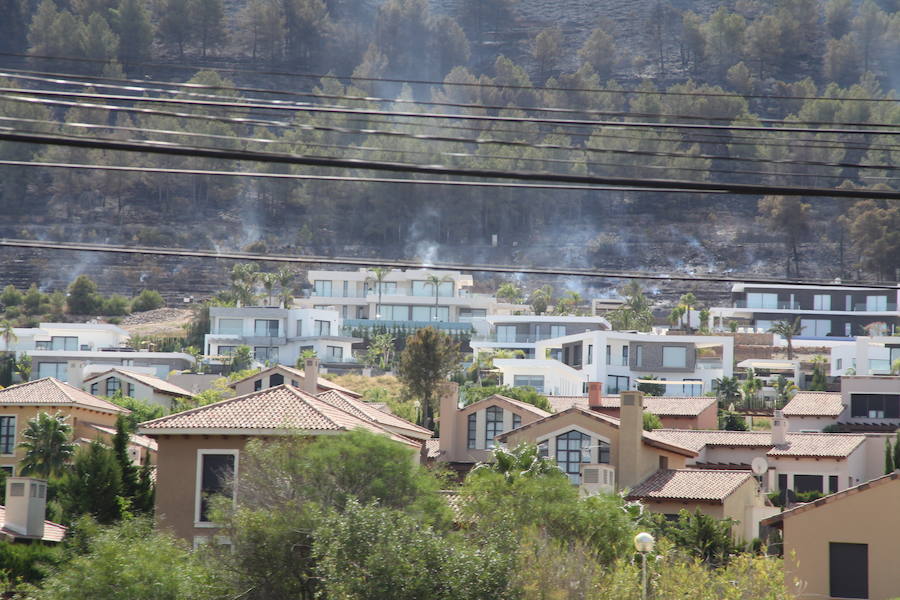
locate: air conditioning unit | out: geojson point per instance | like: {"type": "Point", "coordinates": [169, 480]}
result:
{"type": "Point", "coordinates": [597, 479]}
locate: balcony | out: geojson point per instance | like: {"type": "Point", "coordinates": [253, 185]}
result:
{"type": "Point", "coordinates": [511, 339]}
{"type": "Point", "coordinates": [351, 324]}
{"type": "Point", "coordinates": [795, 306]}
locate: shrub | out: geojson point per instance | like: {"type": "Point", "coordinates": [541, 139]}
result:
{"type": "Point", "coordinates": [10, 296]}
{"type": "Point", "coordinates": [115, 305]}
{"type": "Point", "coordinates": [147, 300]}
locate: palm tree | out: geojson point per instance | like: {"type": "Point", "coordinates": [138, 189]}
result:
{"type": "Point", "coordinates": [568, 304]}
{"type": "Point", "coordinates": [47, 444]}
{"type": "Point", "coordinates": [788, 331]}
{"type": "Point", "coordinates": [727, 390]}
{"type": "Point", "coordinates": [23, 366]}
{"type": "Point", "coordinates": [522, 461]}
{"type": "Point", "coordinates": [676, 316]}
{"type": "Point", "coordinates": [379, 274]}
{"type": "Point", "coordinates": [688, 302]}
{"type": "Point", "coordinates": [510, 292]}
{"type": "Point", "coordinates": [540, 299]}
{"type": "Point", "coordinates": [751, 387]}
{"type": "Point", "coordinates": [435, 282]}
{"type": "Point", "coordinates": [784, 390]}
{"type": "Point", "coordinates": [635, 313]}
{"type": "Point", "coordinates": [244, 277]}
{"type": "Point", "coordinates": [268, 281]}
{"type": "Point", "coordinates": [285, 278]}
{"type": "Point", "coordinates": [7, 333]}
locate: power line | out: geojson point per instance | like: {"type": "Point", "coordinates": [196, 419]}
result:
{"type": "Point", "coordinates": [415, 264]}
{"type": "Point", "coordinates": [263, 157]}
{"type": "Point", "coordinates": [11, 74]}
{"type": "Point", "coordinates": [319, 76]}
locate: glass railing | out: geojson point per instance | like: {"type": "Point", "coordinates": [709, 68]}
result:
{"type": "Point", "coordinates": [856, 307]}
{"type": "Point", "coordinates": [350, 324]}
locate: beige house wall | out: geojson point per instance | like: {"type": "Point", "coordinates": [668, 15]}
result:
{"type": "Point", "coordinates": [648, 459]}
{"type": "Point", "coordinates": [867, 517]}
{"type": "Point", "coordinates": [176, 480]}
{"type": "Point", "coordinates": [79, 419]}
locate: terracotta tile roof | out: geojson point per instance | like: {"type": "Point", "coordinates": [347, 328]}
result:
{"type": "Point", "coordinates": [650, 437]}
{"type": "Point", "coordinates": [53, 532]}
{"type": "Point", "coordinates": [322, 384]}
{"type": "Point", "coordinates": [690, 484]}
{"type": "Point", "coordinates": [814, 404]}
{"type": "Point", "coordinates": [365, 410]}
{"type": "Point", "coordinates": [778, 520]}
{"type": "Point", "coordinates": [837, 445]}
{"type": "Point", "coordinates": [158, 384]}
{"type": "Point", "coordinates": [541, 413]}
{"type": "Point", "coordinates": [270, 411]}
{"type": "Point", "coordinates": [663, 406]}
{"type": "Point", "coordinates": [53, 392]}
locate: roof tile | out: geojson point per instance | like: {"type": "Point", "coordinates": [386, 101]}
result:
{"type": "Point", "coordinates": [837, 445]}
{"type": "Point", "coordinates": [149, 380]}
{"type": "Point", "coordinates": [814, 404]}
{"type": "Point", "coordinates": [663, 406]}
{"type": "Point", "coordinates": [689, 484]}
{"type": "Point", "coordinates": [53, 392]}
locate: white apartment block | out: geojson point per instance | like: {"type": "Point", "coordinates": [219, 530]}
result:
{"type": "Point", "coordinates": [407, 299]}
{"type": "Point", "coordinates": [866, 356]}
{"type": "Point", "coordinates": [278, 335]}
{"type": "Point", "coordinates": [523, 332]}
{"type": "Point", "coordinates": [685, 364]}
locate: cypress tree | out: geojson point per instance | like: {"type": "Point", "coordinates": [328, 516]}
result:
{"type": "Point", "coordinates": [888, 457]}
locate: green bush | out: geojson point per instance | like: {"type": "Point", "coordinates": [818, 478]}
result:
{"type": "Point", "coordinates": [24, 561]}
{"type": "Point", "coordinates": [10, 296]}
{"type": "Point", "coordinates": [115, 305]}
{"type": "Point", "coordinates": [147, 300]}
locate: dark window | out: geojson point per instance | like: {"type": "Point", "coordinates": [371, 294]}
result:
{"type": "Point", "coordinates": [276, 379]}
{"type": "Point", "coordinates": [517, 421]}
{"type": "Point", "coordinates": [782, 482]}
{"type": "Point", "coordinates": [875, 406]}
{"type": "Point", "coordinates": [848, 566]}
{"type": "Point", "coordinates": [576, 355]}
{"type": "Point", "coordinates": [544, 449]}
{"type": "Point", "coordinates": [257, 385]}
{"type": "Point", "coordinates": [493, 425]}
{"type": "Point", "coordinates": [472, 428]}
{"type": "Point", "coordinates": [808, 483]}
{"type": "Point", "coordinates": [265, 328]}
{"type": "Point", "coordinates": [616, 384]}
{"type": "Point", "coordinates": [95, 389]}
{"type": "Point", "coordinates": [7, 435]}
{"type": "Point", "coordinates": [129, 390]}
{"type": "Point", "coordinates": [663, 462]}
{"type": "Point", "coordinates": [832, 484]}
{"type": "Point", "coordinates": [603, 453]}
{"type": "Point", "coordinates": [569, 455]}
{"type": "Point", "coordinates": [112, 385]}
{"type": "Point", "coordinates": [217, 472]}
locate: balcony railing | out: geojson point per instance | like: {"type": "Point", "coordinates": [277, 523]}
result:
{"type": "Point", "coordinates": [511, 339]}
{"type": "Point", "coordinates": [351, 324]}
{"type": "Point", "coordinates": [785, 305]}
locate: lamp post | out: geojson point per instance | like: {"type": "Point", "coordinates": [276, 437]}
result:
{"type": "Point", "coordinates": [643, 542]}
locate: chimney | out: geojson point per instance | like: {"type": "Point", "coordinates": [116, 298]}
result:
{"type": "Point", "coordinates": [75, 373]}
{"type": "Point", "coordinates": [448, 416]}
{"type": "Point", "coordinates": [595, 393]}
{"type": "Point", "coordinates": [779, 429]}
{"type": "Point", "coordinates": [631, 437]}
{"type": "Point", "coordinates": [26, 505]}
{"type": "Point", "coordinates": [311, 376]}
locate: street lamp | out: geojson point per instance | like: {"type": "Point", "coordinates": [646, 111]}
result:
{"type": "Point", "coordinates": [643, 542]}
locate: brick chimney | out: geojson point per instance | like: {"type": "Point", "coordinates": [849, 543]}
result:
{"type": "Point", "coordinates": [595, 393]}
{"type": "Point", "coordinates": [26, 505]}
{"type": "Point", "coordinates": [779, 429]}
{"type": "Point", "coordinates": [448, 415]}
{"type": "Point", "coordinates": [631, 437]}
{"type": "Point", "coordinates": [310, 376]}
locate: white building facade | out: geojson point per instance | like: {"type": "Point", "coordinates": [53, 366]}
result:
{"type": "Point", "coordinates": [523, 332]}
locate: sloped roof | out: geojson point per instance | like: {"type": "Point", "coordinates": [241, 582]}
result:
{"type": "Point", "coordinates": [663, 406]}
{"type": "Point", "coordinates": [541, 413]}
{"type": "Point", "coordinates": [814, 404]}
{"type": "Point", "coordinates": [822, 445]}
{"type": "Point", "coordinates": [53, 532]}
{"type": "Point", "coordinates": [140, 440]}
{"type": "Point", "coordinates": [273, 410]}
{"type": "Point", "coordinates": [690, 484]}
{"type": "Point", "coordinates": [650, 438]}
{"type": "Point", "coordinates": [322, 384]}
{"type": "Point", "coordinates": [158, 384]}
{"type": "Point", "coordinates": [777, 520]}
{"type": "Point", "coordinates": [365, 410]}
{"type": "Point", "coordinates": [50, 391]}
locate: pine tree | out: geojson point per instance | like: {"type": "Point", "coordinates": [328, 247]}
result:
{"type": "Point", "coordinates": [888, 457]}
{"type": "Point", "coordinates": [134, 29]}
{"type": "Point", "coordinates": [129, 472]}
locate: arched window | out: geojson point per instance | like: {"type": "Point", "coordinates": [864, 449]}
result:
{"type": "Point", "coordinates": [569, 455]}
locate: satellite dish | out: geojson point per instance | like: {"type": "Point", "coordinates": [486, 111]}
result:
{"type": "Point", "coordinates": [759, 466]}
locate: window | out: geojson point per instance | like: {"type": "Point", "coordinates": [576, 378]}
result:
{"type": "Point", "coordinates": [839, 364]}
{"type": "Point", "coordinates": [808, 483]}
{"type": "Point", "coordinates": [493, 425]}
{"type": "Point", "coordinates": [129, 390]}
{"type": "Point", "coordinates": [265, 328]}
{"type": "Point", "coordinates": [42, 345]}
{"type": "Point", "coordinates": [472, 424]}
{"type": "Point", "coordinates": [516, 421]}
{"type": "Point", "coordinates": [257, 385]}
{"type": "Point", "coordinates": [299, 328]}
{"type": "Point", "coordinates": [95, 389]}
{"type": "Point", "coordinates": [617, 383]}
{"type": "Point", "coordinates": [61, 342]}
{"type": "Point", "coordinates": [878, 303]}
{"type": "Point", "coordinates": [394, 312]}
{"type": "Point", "coordinates": [52, 369]}
{"type": "Point", "coordinates": [663, 463]}
{"type": "Point", "coordinates": [832, 484]}
{"type": "Point", "coordinates": [674, 357]}
{"type": "Point", "coordinates": [608, 354]}
{"type": "Point", "coordinates": [506, 333]}
{"type": "Point", "coordinates": [321, 288]}
{"type": "Point", "coordinates": [266, 354]}
{"type": "Point", "coordinates": [112, 385]}
{"type": "Point", "coordinates": [127, 362]}
{"type": "Point", "coordinates": [590, 355]}
{"type": "Point", "coordinates": [276, 379]}
{"type": "Point", "coordinates": [323, 328]}
{"type": "Point", "coordinates": [346, 290]}
{"type": "Point", "coordinates": [848, 303]}
{"type": "Point", "coordinates": [7, 435]}
{"type": "Point", "coordinates": [875, 406]}
{"type": "Point", "coordinates": [557, 331]}
{"type": "Point", "coordinates": [430, 313]}
{"type": "Point", "coordinates": [603, 453]}
{"type": "Point", "coordinates": [757, 300]}
{"type": "Point", "coordinates": [388, 288]}
{"type": "Point", "coordinates": [569, 455]}
{"type": "Point", "coordinates": [848, 570]}
{"type": "Point", "coordinates": [426, 288]}
{"type": "Point", "coordinates": [693, 389]}
{"type": "Point", "coordinates": [639, 356]}
{"type": "Point", "coordinates": [625, 355]}
{"type": "Point", "coordinates": [544, 449]}
{"type": "Point", "coordinates": [335, 353]}
{"type": "Point", "coordinates": [822, 302]}
{"type": "Point", "coordinates": [535, 381]}
{"type": "Point", "coordinates": [848, 329]}
{"type": "Point", "coordinates": [215, 473]}
{"type": "Point", "coordinates": [815, 327]}
{"type": "Point", "coordinates": [231, 326]}
{"type": "Point", "coordinates": [227, 350]}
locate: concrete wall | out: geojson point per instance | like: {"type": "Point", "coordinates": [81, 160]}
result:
{"type": "Point", "coordinates": [868, 517]}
